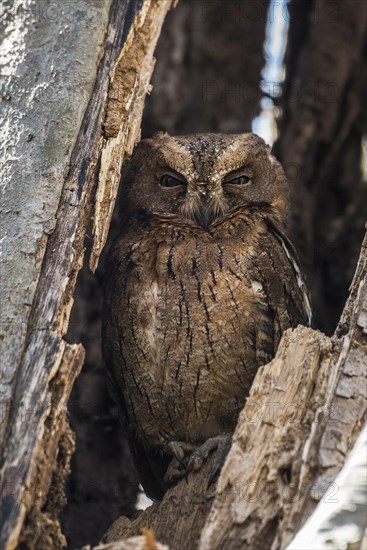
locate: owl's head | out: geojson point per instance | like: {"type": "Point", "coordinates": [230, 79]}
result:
{"type": "Point", "coordinates": [203, 177]}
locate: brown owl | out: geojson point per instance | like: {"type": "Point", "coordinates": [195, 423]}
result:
{"type": "Point", "coordinates": [200, 285]}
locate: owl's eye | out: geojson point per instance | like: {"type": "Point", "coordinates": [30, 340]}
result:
{"type": "Point", "coordinates": [241, 180]}
{"type": "Point", "coordinates": [167, 180]}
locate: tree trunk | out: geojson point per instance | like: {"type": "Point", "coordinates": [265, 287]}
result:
{"type": "Point", "coordinates": [320, 144]}
{"type": "Point", "coordinates": [63, 144]}
{"type": "Point", "coordinates": [208, 73]}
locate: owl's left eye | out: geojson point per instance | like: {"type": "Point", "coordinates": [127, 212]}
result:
{"type": "Point", "coordinates": [240, 180]}
{"type": "Point", "coordinates": [167, 180]}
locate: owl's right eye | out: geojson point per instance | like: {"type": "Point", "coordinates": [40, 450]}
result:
{"type": "Point", "coordinates": [167, 180]}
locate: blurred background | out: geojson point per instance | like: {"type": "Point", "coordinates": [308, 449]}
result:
{"type": "Point", "coordinates": [293, 72]}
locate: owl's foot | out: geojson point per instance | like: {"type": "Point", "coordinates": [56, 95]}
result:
{"type": "Point", "coordinates": [179, 467]}
{"type": "Point", "coordinates": [176, 470]}
{"type": "Point", "coordinates": [220, 443]}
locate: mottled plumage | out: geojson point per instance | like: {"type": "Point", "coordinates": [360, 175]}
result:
{"type": "Point", "coordinates": [200, 285]}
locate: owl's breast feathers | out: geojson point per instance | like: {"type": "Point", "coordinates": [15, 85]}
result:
{"type": "Point", "coordinates": [190, 316]}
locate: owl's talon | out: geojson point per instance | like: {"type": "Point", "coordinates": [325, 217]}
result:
{"type": "Point", "coordinates": [175, 472]}
{"type": "Point", "coordinates": [177, 467]}
{"type": "Point", "coordinates": [196, 461]}
{"type": "Point", "coordinates": [221, 444]}
{"type": "Point", "coordinates": [214, 473]}
{"type": "Point", "coordinates": [178, 450]}
{"type": "Point", "coordinates": [222, 451]}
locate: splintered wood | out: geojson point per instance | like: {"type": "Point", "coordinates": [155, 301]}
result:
{"type": "Point", "coordinates": [123, 111]}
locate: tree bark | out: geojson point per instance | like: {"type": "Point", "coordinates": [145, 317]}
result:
{"type": "Point", "coordinates": [145, 542]}
{"type": "Point", "coordinates": [209, 61]}
{"type": "Point", "coordinates": [340, 522]}
{"type": "Point", "coordinates": [303, 415]}
{"type": "Point", "coordinates": [324, 119]}
{"type": "Point", "coordinates": [66, 144]}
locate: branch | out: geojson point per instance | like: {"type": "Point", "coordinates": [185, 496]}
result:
{"type": "Point", "coordinates": [176, 521]}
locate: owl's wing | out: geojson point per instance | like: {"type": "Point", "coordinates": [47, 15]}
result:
{"type": "Point", "coordinates": [150, 464]}
{"type": "Point", "coordinates": [284, 285]}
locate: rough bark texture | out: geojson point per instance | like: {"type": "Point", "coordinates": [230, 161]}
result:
{"type": "Point", "coordinates": [146, 542]}
{"type": "Point", "coordinates": [56, 203]}
{"type": "Point", "coordinates": [304, 413]}
{"type": "Point", "coordinates": [43, 115]}
{"type": "Point", "coordinates": [320, 145]}
{"type": "Point", "coordinates": [121, 118]}
{"type": "Point", "coordinates": [178, 520]}
{"type": "Point", "coordinates": [43, 112]}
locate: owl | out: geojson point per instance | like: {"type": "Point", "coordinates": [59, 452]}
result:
{"type": "Point", "coordinates": [200, 285]}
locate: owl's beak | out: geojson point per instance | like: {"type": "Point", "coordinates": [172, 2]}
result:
{"type": "Point", "coordinates": [205, 215]}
